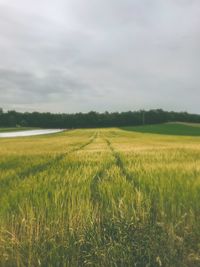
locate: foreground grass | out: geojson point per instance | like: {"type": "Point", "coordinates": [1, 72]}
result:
{"type": "Point", "coordinates": [186, 129]}
{"type": "Point", "coordinates": [100, 198]}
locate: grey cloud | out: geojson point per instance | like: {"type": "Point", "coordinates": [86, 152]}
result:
{"type": "Point", "coordinates": [78, 55]}
{"type": "Point", "coordinates": [24, 87]}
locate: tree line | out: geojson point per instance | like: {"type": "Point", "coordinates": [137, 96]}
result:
{"type": "Point", "coordinates": [93, 119]}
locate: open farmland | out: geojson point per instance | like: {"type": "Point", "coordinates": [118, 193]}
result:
{"type": "Point", "coordinates": [100, 197]}
{"type": "Point", "coordinates": [185, 129]}
{"type": "Point", "coordinates": [16, 129]}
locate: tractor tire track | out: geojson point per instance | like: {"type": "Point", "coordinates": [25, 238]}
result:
{"type": "Point", "coordinates": [119, 162]}
{"type": "Point", "coordinates": [6, 184]}
{"type": "Point", "coordinates": [97, 179]}
{"type": "Point", "coordinates": [136, 183]}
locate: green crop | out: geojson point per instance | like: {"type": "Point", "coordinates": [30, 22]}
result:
{"type": "Point", "coordinates": [100, 197]}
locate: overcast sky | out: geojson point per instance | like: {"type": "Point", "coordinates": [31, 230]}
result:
{"type": "Point", "coordinates": [114, 55]}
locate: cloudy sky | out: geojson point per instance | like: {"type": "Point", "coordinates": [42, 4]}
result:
{"type": "Point", "coordinates": [114, 55]}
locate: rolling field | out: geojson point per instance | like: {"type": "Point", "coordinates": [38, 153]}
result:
{"type": "Point", "coordinates": [185, 129]}
{"type": "Point", "coordinates": [100, 197]}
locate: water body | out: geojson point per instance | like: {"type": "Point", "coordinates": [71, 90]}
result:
{"type": "Point", "coordinates": [30, 133]}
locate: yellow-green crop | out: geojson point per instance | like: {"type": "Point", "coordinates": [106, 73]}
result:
{"type": "Point", "coordinates": [100, 197]}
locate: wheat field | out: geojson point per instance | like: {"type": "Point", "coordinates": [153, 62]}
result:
{"type": "Point", "coordinates": [100, 197]}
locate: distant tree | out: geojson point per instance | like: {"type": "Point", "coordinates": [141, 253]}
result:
{"type": "Point", "coordinates": [23, 122]}
{"type": "Point", "coordinates": [93, 119]}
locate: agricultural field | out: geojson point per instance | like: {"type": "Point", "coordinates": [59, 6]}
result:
{"type": "Point", "coordinates": [186, 129]}
{"type": "Point", "coordinates": [101, 197]}
{"type": "Point", "coordinates": [16, 129]}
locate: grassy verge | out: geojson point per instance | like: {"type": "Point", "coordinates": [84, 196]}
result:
{"type": "Point", "coordinates": [16, 129]}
